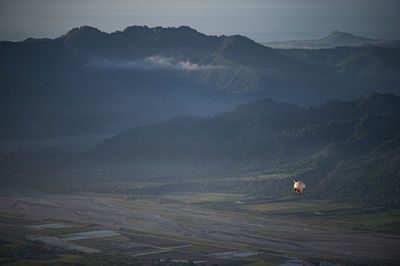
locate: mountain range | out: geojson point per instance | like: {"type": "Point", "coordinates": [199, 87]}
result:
{"type": "Point", "coordinates": [91, 82]}
{"type": "Point", "coordinates": [335, 39]}
{"type": "Point", "coordinates": [347, 150]}
{"type": "Point", "coordinates": [344, 151]}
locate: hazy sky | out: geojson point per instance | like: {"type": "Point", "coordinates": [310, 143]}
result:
{"type": "Point", "coordinates": [257, 19]}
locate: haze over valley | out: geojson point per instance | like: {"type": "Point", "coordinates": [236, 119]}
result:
{"type": "Point", "coordinates": [91, 82]}
{"type": "Point", "coordinates": [180, 145]}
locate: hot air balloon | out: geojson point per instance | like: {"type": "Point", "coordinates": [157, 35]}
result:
{"type": "Point", "coordinates": [299, 187]}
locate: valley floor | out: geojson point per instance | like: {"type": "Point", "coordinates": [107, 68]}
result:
{"type": "Point", "coordinates": [189, 223]}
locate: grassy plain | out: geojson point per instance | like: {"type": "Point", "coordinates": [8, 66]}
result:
{"type": "Point", "coordinates": [315, 212]}
{"type": "Point", "coordinates": [332, 214]}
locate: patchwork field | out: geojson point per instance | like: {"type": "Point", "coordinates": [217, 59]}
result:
{"type": "Point", "coordinates": [122, 243]}
{"type": "Point", "coordinates": [207, 228]}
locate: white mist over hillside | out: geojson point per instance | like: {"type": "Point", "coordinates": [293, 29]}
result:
{"type": "Point", "coordinates": [149, 63]}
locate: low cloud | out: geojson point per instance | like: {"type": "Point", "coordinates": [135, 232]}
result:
{"type": "Point", "coordinates": [149, 63]}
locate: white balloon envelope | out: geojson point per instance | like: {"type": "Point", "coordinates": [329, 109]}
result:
{"type": "Point", "coordinates": [299, 186]}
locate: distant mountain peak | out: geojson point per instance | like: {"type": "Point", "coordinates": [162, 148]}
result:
{"type": "Point", "coordinates": [84, 35]}
{"type": "Point", "coordinates": [137, 28]}
{"type": "Point", "coordinates": [334, 39]}
{"type": "Point", "coordinates": [83, 30]}
{"type": "Point", "coordinates": [345, 37]}
{"type": "Point", "coordinates": [336, 32]}
{"type": "Point", "coordinates": [187, 28]}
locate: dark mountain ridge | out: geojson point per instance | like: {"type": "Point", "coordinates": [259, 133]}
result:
{"type": "Point", "coordinates": [151, 40]}
{"type": "Point", "coordinates": [335, 141]}
{"type": "Point", "coordinates": [344, 151]}
{"type": "Point", "coordinates": [89, 82]}
{"type": "Point", "coordinates": [266, 117]}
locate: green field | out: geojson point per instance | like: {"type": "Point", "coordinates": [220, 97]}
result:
{"type": "Point", "coordinates": [204, 197]}
{"type": "Point", "coordinates": [316, 212]}
{"type": "Point", "coordinates": [340, 215]}
{"type": "Point", "coordinates": [294, 207]}
{"type": "Point", "coordinates": [321, 213]}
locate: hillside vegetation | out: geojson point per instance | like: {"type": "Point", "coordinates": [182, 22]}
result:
{"type": "Point", "coordinates": [91, 82]}
{"type": "Point", "coordinates": [371, 63]}
{"type": "Point", "coordinates": [344, 151]}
